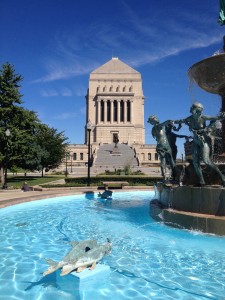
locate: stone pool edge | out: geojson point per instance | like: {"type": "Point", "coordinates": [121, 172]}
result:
{"type": "Point", "coordinates": [13, 197]}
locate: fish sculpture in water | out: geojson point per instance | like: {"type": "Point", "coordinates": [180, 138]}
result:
{"type": "Point", "coordinates": [82, 255]}
{"type": "Point", "coordinates": [106, 194]}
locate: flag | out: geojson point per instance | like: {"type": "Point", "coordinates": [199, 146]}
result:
{"type": "Point", "coordinates": [222, 12]}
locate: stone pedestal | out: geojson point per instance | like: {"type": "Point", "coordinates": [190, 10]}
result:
{"type": "Point", "coordinates": [116, 152]}
{"type": "Point", "coordinates": [87, 282]}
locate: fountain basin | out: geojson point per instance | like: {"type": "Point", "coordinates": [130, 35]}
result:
{"type": "Point", "coordinates": [198, 208]}
{"type": "Point", "coordinates": [209, 74]}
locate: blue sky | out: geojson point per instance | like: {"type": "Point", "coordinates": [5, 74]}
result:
{"type": "Point", "coordinates": [55, 44]}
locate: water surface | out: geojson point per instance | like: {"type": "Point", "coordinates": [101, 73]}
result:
{"type": "Point", "coordinates": [149, 260]}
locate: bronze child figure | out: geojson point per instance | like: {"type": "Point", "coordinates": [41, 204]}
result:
{"type": "Point", "coordinates": [163, 147]}
{"type": "Point", "coordinates": [201, 140]}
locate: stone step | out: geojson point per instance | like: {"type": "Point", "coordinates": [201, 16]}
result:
{"type": "Point", "coordinates": [109, 156]}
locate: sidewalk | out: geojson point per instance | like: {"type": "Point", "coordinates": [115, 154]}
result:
{"type": "Point", "coordinates": [11, 197]}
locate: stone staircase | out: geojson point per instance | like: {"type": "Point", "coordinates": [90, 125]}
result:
{"type": "Point", "coordinates": [110, 157]}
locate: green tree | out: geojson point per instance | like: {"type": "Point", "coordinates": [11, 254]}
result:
{"type": "Point", "coordinates": [20, 146]}
{"type": "Point", "coordinates": [53, 145]}
{"type": "Point", "coordinates": [31, 145]}
{"type": "Point", "coordinates": [10, 100]}
{"type": "Point", "coordinates": [26, 153]}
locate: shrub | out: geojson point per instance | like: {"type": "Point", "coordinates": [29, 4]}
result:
{"type": "Point", "coordinates": [132, 180]}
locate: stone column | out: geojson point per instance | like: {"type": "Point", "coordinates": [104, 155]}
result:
{"type": "Point", "coordinates": [98, 111]}
{"type": "Point", "coordinates": [131, 111]}
{"type": "Point", "coordinates": [118, 111]}
{"type": "Point", "coordinates": [111, 111]}
{"type": "Point", "coordinates": [105, 110]}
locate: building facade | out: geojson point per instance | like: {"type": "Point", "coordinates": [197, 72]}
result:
{"type": "Point", "coordinates": [115, 108]}
{"type": "Point", "coordinates": [115, 104]}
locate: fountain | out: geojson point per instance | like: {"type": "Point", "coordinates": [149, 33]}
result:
{"type": "Point", "coordinates": [197, 205]}
{"type": "Point", "coordinates": [209, 74]}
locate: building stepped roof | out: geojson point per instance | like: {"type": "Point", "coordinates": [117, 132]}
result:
{"type": "Point", "coordinates": [115, 66]}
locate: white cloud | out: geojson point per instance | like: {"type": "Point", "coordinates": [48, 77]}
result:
{"type": "Point", "coordinates": [140, 37]}
{"type": "Point", "coordinates": [66, 115]}
{"type": "Point", "coordinates": [49, 93]}
{"type": "Point", "coordinates": [80, 91]}
{"type": "Point", "coordinates": [63, 92]}
{"type": "Point", "coordinates": [62, 71]}
{"type": "Point", "coordinates": [66, 92]}
{"type": "Point", "coordinates": [179, 46]}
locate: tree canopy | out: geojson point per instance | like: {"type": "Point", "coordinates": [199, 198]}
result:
{"type": "Point", "coordinates": [31, 145]}
{"type": "Point", "coordinates": [53, 146]}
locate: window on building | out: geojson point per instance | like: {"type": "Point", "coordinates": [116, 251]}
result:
{"type": "Point", "coordinates": [118, 88]}
{"type": "Point", "coordinates": [115, 111]}
{"type": "Point", "coordinates": [102, 111]}
{"type": "Point", "coordinates": [111, 88]}
{"type": "Point", "coordinates": [149, 156]}
{"type": "Point", "coordinates": [81, 156]}
{"type": "Point", "coordinates": [98, 89]}
{"type": "Point", "coordinates": [74, 156]}
{"type": "Point", "coordinates": [128, 111]}
{"type": "Point", "coordinates": [108, 111]}
{"type": "Point", "coordinates": [104, 89]}
{"type": "Point", "coordinates": [124, 89]}
{"type": "Point", "coordinates": [131, 88]}
{"type": "Point", "coordinates": [122, 111]}
{"type": "Point", "coordinates": [156, 156]}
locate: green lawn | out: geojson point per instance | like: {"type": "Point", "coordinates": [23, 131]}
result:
{"type": "Point", "coordinates": [18, 181]}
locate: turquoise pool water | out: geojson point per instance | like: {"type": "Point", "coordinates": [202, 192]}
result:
{"type": "Point", "coordinates": [149, 260]}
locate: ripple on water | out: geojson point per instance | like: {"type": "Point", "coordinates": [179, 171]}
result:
{"type": "Point", "coordinates": [148, 260]}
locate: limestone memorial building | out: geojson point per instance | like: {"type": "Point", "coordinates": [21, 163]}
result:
{"type": "Point", "coordinates": [115, 110]}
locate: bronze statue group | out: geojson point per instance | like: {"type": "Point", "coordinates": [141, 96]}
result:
{"type": "Point", "coordinates": [201, 146]}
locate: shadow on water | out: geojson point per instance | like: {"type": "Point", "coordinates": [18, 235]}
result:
{"type": "Point", "coordinates": [66, 284]}
{"type": "Point", "coordinates": [46, 281]}
{"type": "Point", "coordinates": [105, 202]}
{"type": "Point", "coordinates": [59, 227]}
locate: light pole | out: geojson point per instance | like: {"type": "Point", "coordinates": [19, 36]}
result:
{"type": "Point", "coordinates": [71, 170]}
{"type": "Point", "coordinates": [7, 133]}
{"type": "Point", "coordinates": [66, 164]}
{"type": "Point", "coordinates": [89, 127]}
